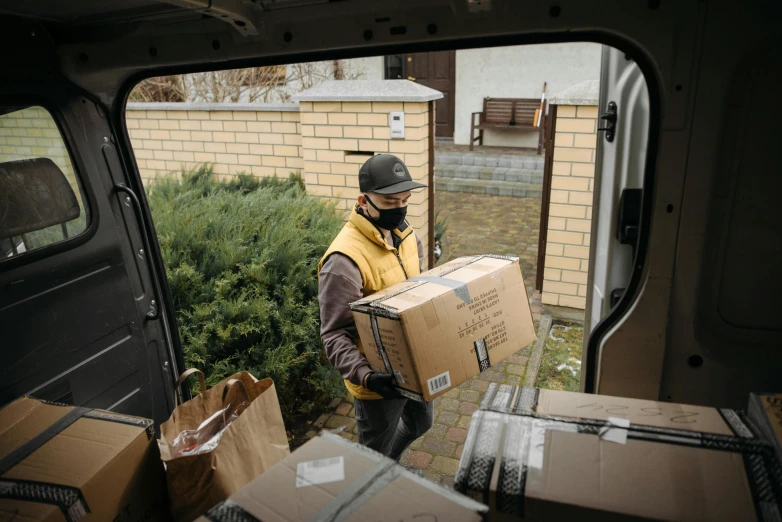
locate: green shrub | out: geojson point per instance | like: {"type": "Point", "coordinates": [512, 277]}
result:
{"type": "Point", "coordinates": [242, 263]}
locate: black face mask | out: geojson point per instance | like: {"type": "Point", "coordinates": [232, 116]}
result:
{"type": "Point", "coordinates": [390, 218]}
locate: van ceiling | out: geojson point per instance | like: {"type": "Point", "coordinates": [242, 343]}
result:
{"type": "Point", "coordinates": [99, 12]}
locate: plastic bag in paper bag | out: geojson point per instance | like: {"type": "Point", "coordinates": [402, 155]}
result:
{"type": "Point", "coordinates": [219, 441]}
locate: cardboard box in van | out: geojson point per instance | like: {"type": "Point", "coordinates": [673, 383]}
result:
{"type": "Point", "coordinates": [331, 478]}
{"type": "Point", "coordinates": [436, 330]}
{"type": "Point", "coordinates": [550, 455]}
{"type": "Point", "coordinates": [74, 464]}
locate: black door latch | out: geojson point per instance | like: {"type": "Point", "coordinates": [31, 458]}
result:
{"type": "Point", "coordinates": [629, 222]}
{"type": "Point", "coordinates": [610, 118]}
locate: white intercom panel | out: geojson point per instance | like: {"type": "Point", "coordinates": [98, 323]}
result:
{"type": "Point", "coordinates": [397, 120]}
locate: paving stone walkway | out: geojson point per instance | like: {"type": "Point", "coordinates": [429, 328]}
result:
{"type": "Point", "coordinates": [476, 224]}
{"type": "Point", "coordinates": [485, 224]}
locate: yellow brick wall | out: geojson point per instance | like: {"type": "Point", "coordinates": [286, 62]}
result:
{"type": "Point", "coordinates": [570, 207]}
{"type": "Point", "coordinates": [262, 143]}
{"type": "Point", "coordinates": [335, 133]}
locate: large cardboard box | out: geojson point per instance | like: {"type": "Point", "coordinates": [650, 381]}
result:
{"type": "Point", "coordinates": [61, 463]}
{"type": "Point", "coordinates": [331, 478]}
{"type": "Point", "coordinates": [436, 330]}
{"type": "Point", "coordinates": [552, 455]}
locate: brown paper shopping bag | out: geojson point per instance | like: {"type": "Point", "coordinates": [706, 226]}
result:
{"type": "Point", "coordinates": [219, 441]}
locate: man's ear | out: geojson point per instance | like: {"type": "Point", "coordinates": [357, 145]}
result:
{"type": "Point", "coordinates": [362, 202]}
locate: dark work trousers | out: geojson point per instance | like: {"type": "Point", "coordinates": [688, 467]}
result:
{"type": "Point", "coordinates": [389, 426]}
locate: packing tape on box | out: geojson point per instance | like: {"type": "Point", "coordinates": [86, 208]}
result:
{"type": "Point", "coordinates": [459, 287]}
{"type": "Point", "coordinates": [354, 495]}
{"type": "Point", "coordinates": [69, 499]}
{"type": "Point", "coordinates": [502, 446]}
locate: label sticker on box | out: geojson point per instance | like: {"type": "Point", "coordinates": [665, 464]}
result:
{"type": "Point", "coordinates": [320, 471]}
{"type": "Point", "coordinates": [439, 382]}
{"type": "Point", "coordinates": [616, 431]}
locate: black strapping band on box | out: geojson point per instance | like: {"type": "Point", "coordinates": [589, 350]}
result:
{"type": "Point", "coordinates": [507, 398]}
{"type": "Point", "coordinates": [69, 499]}
{"type": "Point", "coordinates": [734, 420]}
{"type": "Point", "coordinates": [765, 494]}
{"type": "Point", "coordinates": [229, 511]}
{"type": "Point", "coordinates": [379, 342]}
{"type": "Point", "coordinates": [147, 424]}
{"type": "Point", "coordinates": [482, 354]}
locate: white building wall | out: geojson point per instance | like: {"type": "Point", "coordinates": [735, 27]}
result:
{"type": "Point", "coordinates": [517, 72]}
{"type": "Point", "coordinates": [371, 68]}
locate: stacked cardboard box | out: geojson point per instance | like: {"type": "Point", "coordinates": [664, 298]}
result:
{"type": "Point", "coordinates": [436, 330]}
{"type": "Point", "coordinates": [331, 478]}
{"type": "Point", "coordinates": [549, 455]}
{"type": "Point", "coordinates": [65, 463]}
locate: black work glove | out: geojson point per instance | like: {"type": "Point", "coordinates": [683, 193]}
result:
{"type": "Point", "coordinates": [383, 385]}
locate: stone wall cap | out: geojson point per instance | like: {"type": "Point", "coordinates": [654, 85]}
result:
{"type": "Point", "coordinates": [368, 90]}
{"type": "Point", "coordinates": [198, 106]}
{"type": "Point", "coordinates": [584, 93]}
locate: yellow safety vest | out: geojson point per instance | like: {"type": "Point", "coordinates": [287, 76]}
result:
{"type": "Point", "coordinates": [380, 265]}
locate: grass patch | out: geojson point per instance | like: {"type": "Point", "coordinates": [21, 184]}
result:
{"type": "Point", "coordinates": [560, 366]}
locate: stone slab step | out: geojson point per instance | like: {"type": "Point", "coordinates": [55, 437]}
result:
{"type": "Point", "coordinates": [489, 160]}
{"type": "Point", "coordinates": [489, 173]}
{"type": "Point", "coordinates": [495, 188]}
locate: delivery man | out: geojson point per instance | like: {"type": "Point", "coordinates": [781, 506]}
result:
{"type": "Point", "coordinates": [376, 248]}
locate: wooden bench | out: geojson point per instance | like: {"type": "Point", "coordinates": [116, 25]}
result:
{"type": "Point", "coordinates": [506, 113]}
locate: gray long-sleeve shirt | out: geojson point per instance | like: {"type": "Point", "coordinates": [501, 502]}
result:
{"type": "Point", "coordinates": [340, 285]}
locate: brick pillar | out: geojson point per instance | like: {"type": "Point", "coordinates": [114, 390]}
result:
{"type": "Point", "coordinates": [344, 123]}
{"type": "Point", "coordinates": [570, 208]}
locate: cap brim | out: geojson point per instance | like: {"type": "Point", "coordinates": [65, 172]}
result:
{"type": "Point", "coordinates": [396, 188]}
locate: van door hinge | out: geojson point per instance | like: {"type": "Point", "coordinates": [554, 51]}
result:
{"type": "Point", "coordinates": [610, 118]}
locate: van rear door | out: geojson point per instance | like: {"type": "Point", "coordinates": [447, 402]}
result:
{"type": "Point", "coordinates": [84, 313]}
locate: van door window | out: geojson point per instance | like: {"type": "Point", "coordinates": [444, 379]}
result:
{"type": "Point", "coordinates": [41, 200]}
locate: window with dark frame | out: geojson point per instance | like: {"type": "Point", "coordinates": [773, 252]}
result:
{"type": "Point", "coordinates": [394, 67]}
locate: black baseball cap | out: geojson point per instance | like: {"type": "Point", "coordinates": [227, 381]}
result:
{"type": "Point", "coordinates": [385, 174]}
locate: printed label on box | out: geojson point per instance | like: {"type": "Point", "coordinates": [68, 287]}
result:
{"type": "Point", "coordinates": [320, 471]}
{"type": "Point", "coordinates": [439, 382]}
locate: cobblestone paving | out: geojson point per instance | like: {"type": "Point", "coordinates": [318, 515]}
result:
{"type": "Point", "coordinates": [485, 224]}
{"type": "Point", "coordinates": [476, 224]}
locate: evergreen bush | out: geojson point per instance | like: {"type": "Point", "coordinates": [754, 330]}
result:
{"type": "Point", "coordinates": [241, 258]}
